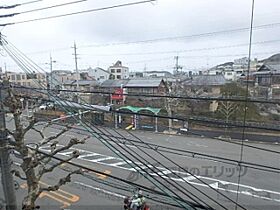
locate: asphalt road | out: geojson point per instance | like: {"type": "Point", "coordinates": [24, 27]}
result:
{"type": "Point", "coordinates": [217, 181]}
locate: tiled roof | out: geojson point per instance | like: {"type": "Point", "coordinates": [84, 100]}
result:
{"type": "Point", "coordinates": [131, 83]}
{"type": "Point", "coordinates": [144, 83]}
{"type": "Point", "coordinates": [206, 80]}
{"type": "Point", "coordinates": [113, 83]}
{"type": "Point", "coordinates": [82, 82]}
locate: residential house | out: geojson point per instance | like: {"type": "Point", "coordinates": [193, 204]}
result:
{"type": "Point", "coordinates": [81, 85]}
{"type": "Point", "coordinates": [268, 76]}
{"type": "Point", "coordinates": [114, 86]}
{"type": "Point", "coordinates": [236, 70]}
{"type": "Point", "coordinates": [132, 86]}
{"type": "Point", "coordinates": [98, 74]}
{"type": "Point", "coordinates": [269, 73]}
{"type": "Point", "coordinates": [118, 71]}
{"type": "Point", "coordinates": [208, 85]}
{"type": "Point", "coordinates": [155, 86]}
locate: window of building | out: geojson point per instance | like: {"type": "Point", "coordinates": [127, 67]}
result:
{"type": "Point", "coordinates": [18, 77]}
{"type": "Point", "coordinates": [112, 70]}
{"type": "Point", "coordinates": [23, 76]}
{"type": "Point", "coordinates": [24, 83]}
{"type": "Point", "coordinates": [118, 76]}
{"type": "Point", "coordinates": [102, 77]}
{"type": "Point", "coordinates": [13, 77]}
{"type": "Point", "coordinates": [119, 70]}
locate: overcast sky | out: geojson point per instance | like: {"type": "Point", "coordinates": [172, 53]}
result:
{"type": "Point", "coordinates": [97, 34]}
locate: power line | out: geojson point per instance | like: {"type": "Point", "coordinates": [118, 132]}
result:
{"type": "Point", "coordinates": [40, 9]}
{"type": "Point", "coordinates": [80, 12]}
{"type": "Point", "coordinates": [121, 147]}
{"type": "Point", "coordinates": [137, 159]}
{"type": "Point", "coordinates": [166, 117]}
{"type": "Point", "coordinates": [247, 97]}
{"type": "Point", "coordinates": [16, 5]}
{"type": "Point", "coordinates": [110, 176]}
{"type": "Point", "coordinates": [120, 154]}
{"type": "Point", "coordinates": [230, 142]}
{"type": "Point", "coordinates": [162, 52]}
{"type": "Point", "coordinates": [30, 2]}
{"type": "Point", "coordinates": [193, 119]}
{"type": "Point", "coordinates": [206, 34]}
{"type": "Point", "coordinates": [181, 152]}
{"type": "Point", "coordinates": [128, 151]}
{"type": "Point", "coordinates": [189, 50]}
{"type": "Point", "coordinates": [232, 99]}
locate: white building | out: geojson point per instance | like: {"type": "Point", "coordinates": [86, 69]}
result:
{"type": "Point", "coordinates": [118, 71]}
{"type": "Point", "coordinates": [229, 75]}
{"type": "Point", "coordinates": [157, 74]}
{"type": "Point", "coordinates": [98, 74]}
{"type": "Point", "coordinates": [29, 80]}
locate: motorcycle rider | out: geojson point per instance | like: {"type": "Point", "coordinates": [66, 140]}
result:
{"type": "Point", "coordinates": [138, 201]}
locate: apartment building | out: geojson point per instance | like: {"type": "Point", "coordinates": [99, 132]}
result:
{"type": "Point", "coordinates": [29, 80]}
{"type": "Point", "coordinates": [118, 71]}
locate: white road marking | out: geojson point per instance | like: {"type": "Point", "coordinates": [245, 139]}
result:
{"type": "Point", "coordinates": [88, 155]}
{"type": "Point", "coordinates": [184, 177]}
{"type": "Point", "coordinates": [118, 164]}
{"type": "Point", "coordinates": [101, 159]}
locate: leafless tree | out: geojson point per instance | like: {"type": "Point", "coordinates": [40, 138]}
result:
{"type": "Point", "coordinates": [35, 164]}
{"type": "Point", "coordinates": [227, 109]}
{"type": "Point", "coordinates": [171, 104]}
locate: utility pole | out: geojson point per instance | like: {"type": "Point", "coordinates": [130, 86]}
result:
{"type": "Point", "coordinates": [51, 71]}
{"type": "Point", "coordinates": [50, 81]}
{"type": "Point", "coordinates": [177, 67]}
{"type": "Point", "coordinates": [77, 70]}
{"type": "Point", "coordinates": [7, 177]}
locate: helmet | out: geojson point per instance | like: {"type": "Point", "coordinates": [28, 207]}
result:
{"type": "Point", "coordinates": [140, 193]}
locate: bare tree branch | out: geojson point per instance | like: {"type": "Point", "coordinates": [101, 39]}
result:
{"type": "Point", "coordinates": [18, 174]}
{"type": "Point", "coordinates": [30, 125]}
{"type": "Point", "coordinates": [39, 131]}
{"type": "Point", "coordinates": [71, 143]}
{"type": "Point", "coordinates": [60, 183]}
{"type": "Point", "coordinates": [9, 132]}
{"type": "Point", "coordinates": [43, 171]}
{"type": "Point", "coordinates": [50, 138]}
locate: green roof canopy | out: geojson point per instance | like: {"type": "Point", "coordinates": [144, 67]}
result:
{"type": "Point", "coordinates": [135, 109]}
